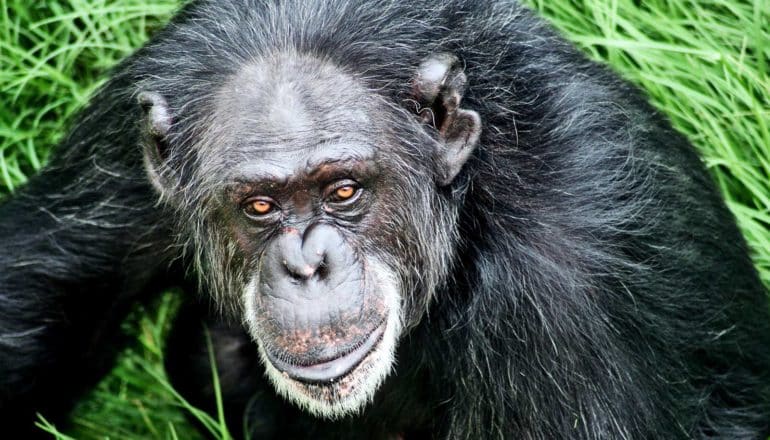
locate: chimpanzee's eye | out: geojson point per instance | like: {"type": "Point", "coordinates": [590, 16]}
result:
{"type": "Point", "coordinates": [260, 207]}
{"type": "Point", "coordinates": [343, 191]}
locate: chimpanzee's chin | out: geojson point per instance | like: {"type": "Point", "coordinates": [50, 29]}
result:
{"type": "Point", "coordinates": [331, 368]}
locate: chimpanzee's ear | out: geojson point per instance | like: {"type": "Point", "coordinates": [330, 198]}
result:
{"type": "Point", "coordinates": [438, 90]}
{"type": "Point", "coordinates": [155, 126]}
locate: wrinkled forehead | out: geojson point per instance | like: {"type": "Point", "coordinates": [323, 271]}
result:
{"type": "Point", "coordinates": [293, 105]}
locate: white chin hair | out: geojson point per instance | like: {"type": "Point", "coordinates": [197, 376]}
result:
{"type": "Point", "coordinates": [356, 389]}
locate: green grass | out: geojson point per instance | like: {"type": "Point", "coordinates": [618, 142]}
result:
{"type": "Point", "coordinates": [703, 63]}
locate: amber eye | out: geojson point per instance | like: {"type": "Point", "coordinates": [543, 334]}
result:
{"type": "Point", "coordinates": [261, 207]}
{"type": "Point", "coordinates": [344, 192]}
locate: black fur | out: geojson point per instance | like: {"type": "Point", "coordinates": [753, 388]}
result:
{"type": "Point", "coordinates": [600, 287]}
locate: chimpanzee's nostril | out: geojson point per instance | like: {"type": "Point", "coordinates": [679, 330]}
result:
{"type": "Point", "coordinates": [300, 272]}
{"type": "Point", "coordinates": [295, 276]}
{"type": "Point", "coordinates": [322, 272]}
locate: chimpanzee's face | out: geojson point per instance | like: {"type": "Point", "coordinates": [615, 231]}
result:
{"type": "Point", "coordinates": [307, 200]}
{"type": "Point", "coordinates": [320, 216]}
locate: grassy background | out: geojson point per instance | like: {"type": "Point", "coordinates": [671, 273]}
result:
{"type": "Point", "coordinates": [703, 62]}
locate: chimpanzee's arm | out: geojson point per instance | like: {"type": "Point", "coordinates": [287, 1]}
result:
{"type": "Point", "coordinates": [78, 245]}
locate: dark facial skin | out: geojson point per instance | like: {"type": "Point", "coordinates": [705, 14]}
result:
{"type": "Point", "coordinates": [312, 285]}
{"type": "Point", "coordinates": [296, 193]}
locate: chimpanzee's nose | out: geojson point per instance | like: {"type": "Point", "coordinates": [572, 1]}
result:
{"type": "Point", "coordinates": [315, 254]}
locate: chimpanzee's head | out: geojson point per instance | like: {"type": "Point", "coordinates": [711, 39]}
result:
{"type": "Point", "coordinates": [315, 208]}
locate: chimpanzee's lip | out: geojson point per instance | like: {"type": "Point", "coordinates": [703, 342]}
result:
{"type": "Point", "coordinates": [333, 369]}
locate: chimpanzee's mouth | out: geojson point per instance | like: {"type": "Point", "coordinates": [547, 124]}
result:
{"type": "Point", "coordinates": [330, 370]}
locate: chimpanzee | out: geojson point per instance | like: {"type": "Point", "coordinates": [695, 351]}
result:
{"type": "Point", "coordinates": [432, 219]}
